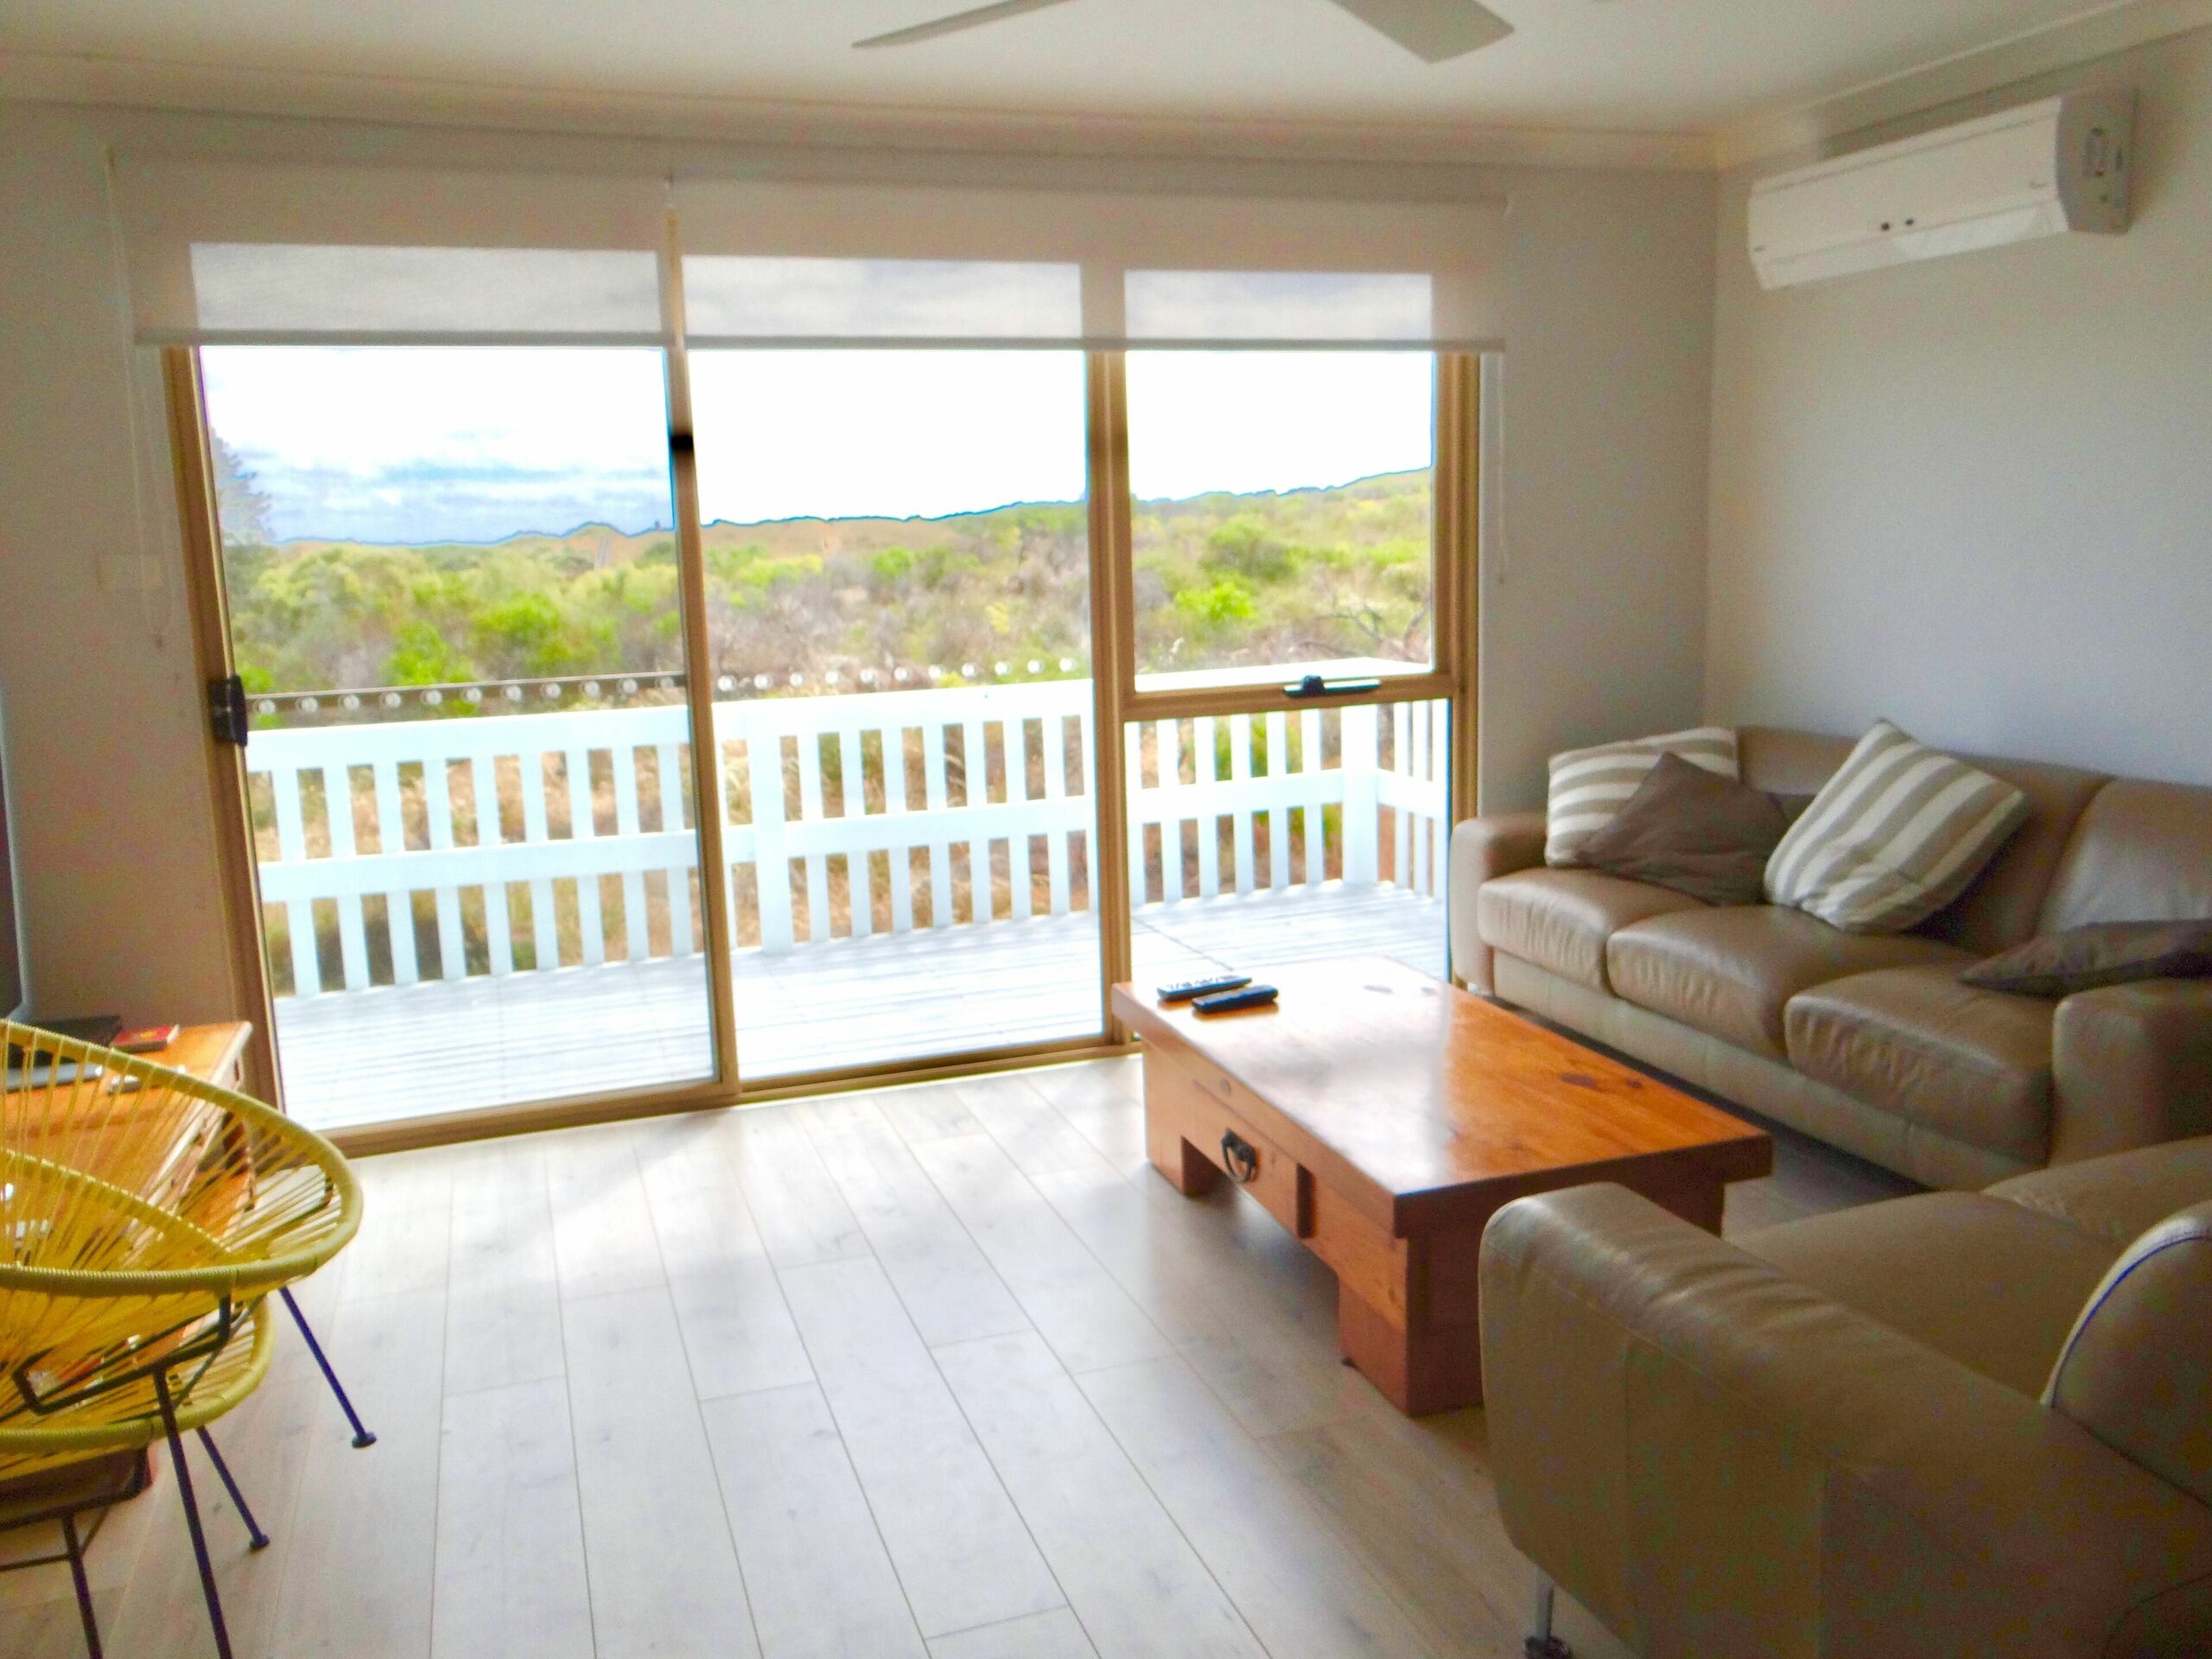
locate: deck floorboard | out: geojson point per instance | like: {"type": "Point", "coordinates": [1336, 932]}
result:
{"type": "Point", "coordinates": [366, 1056]}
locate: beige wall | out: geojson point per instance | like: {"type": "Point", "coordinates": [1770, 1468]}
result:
{"type": "Point", "coordinates": [1593, 613]}
{"type": "Point", "coordinates": [1975, 495]}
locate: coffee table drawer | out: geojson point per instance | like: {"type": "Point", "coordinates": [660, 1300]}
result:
{"type": "Point", "coordinates": [1231, 1144]}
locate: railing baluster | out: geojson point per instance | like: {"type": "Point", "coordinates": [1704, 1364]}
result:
{"type": "Point", "coordinates": [1171, 818]}
{"type": "Point", "coordinates": [499, 925]}
{"type": "Point", "coordinates": [1416, 770]}
{"type": "Point", "coordinates": [437, 807]}
{"type": "Point", "coordinates": [672, 776]}
{"type": "Point", "coordinates": [1401, 839]}
{"type": "Point", "coordinates": [1052, 736]}
{"type": "Point", "coordinates": [1355, 747]}
{"type": "Point", "coordinates": [292, 848]}
{"type": "Point", "coordinates": [764, 770]}
{"type": "Point", "coordinates": [1278, 730]}
{"type": "Point", "coordinates": [1014, 731]}
{"type": "Point", "coordinates": [1206, 770]}
{"type": "Point", "coordinates": [398, 905]}
{"type": "Point", "coordinates": [809, 812]}
{"type": "Point", "coordinates": [934, 793]}
{"type": "Point", "coordinates": [894, 804]}
{"type": "Point", "coordinates": [860, 880]}
{"type": "Point", "coordinates": [583, 825]}
{"type": "Point", "coordinates": [976, 765]}
{"type": "Point", "coordinates": [1309, 759]}
{"type": "Point", "coordinates": [636, 937]}
{"type": "Point", "coordinates": [544, 929]}
{"type": "Point", "coordinates": [1089, 749]}
{"type": "Point", "coordinates": [1140, 889]}
{"type": "Point", "coordinates": [353, 931]}
{"type": "Point", "coordinates": [1240, 770]}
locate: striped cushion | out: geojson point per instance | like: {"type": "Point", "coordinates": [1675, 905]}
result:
{"type": "Point", "coordinates": [1894, 836]}
{"type": "Point", "coordinates": [1589, 787]}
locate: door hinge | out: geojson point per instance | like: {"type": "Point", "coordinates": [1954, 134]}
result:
{"type": "Point", "coordinates": [226, 710]}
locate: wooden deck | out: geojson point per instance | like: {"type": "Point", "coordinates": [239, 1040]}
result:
{"type": "Point", "coordinates": [363, 1057]}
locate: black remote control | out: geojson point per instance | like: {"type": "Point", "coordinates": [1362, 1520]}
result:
{"type": "Point", "coordinates": [1184, 990]}
{"type": "Point", "coordinates": [1253, 996]}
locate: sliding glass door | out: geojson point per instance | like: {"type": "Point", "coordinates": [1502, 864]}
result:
{"type": "Point", "coordinates": [897, 564]}
{"type": "Point", "coordinates": [451, 581]}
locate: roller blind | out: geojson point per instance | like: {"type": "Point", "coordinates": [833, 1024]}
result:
{"type": "Point", "coordinates": [773, 262]}
{"type": "Point", "coordinates": [247, 252]}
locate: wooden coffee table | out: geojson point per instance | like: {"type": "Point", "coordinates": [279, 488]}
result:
{"type": "Point", "coordinates": [1383, 1116]}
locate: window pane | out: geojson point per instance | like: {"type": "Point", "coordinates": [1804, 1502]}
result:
{"type": "Point", "coordinates": [453, 599]}
{"type": "Point", "coordinates": [1283, 511]}
{"type": "Point", "coordinates": [898, 565]}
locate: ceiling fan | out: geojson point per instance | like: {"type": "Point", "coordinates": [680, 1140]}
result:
{"type": "Point", "coordinates": [1432, 30]}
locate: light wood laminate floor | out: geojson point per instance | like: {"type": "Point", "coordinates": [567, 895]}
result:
{"type": "Point", "coordinates": [943, 1372]}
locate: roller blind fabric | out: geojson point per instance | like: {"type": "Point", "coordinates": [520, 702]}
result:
{"type": "Point", "coordinates": [223, 252]}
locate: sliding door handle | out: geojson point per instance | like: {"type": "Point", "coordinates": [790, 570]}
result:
{"type": "Point", "coordinates": [1314, 686]}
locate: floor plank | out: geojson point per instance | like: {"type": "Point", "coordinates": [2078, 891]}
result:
{"type": "Point", "coordinates": [360, 1558]}
{"type": "Point", "coordinates": [502, 1315]}
{"type": "Point", "coordinates": [801, 1215]}
{"type": "Point", "coordinates": [962, 1554]}
{"type": "Point", "coordinates": [663, 1568]}
{"type": "Point", "coordinates": [822, 1583]}
{"type": "Point", "coordinates": [510, 1576]}
{"type": "Point", "coordinates": [738, 1333]}
{"type": "Point", "coordinates": [950, 1292]}
{"type": "Point", "coordinates": [1056, 1634]}
{"type": "Point", "coordinates": [1088, 1319]}
{"type": "Point", "coordinates": [1130, 1574]}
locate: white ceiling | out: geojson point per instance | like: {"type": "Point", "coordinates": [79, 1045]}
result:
{"type": "Point", "coordinates": [1616, 65]}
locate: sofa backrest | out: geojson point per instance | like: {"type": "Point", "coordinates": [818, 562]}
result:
{"type": "Point", "coordinates": [2141, 853]}
{"type": "Point", "coordinates": [2007, 900]}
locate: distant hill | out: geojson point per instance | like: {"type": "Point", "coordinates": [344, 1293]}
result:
{"type": "Point", "coordinates": [1260, 577]}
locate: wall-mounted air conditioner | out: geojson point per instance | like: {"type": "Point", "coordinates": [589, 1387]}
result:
{"type": "Point", "coordinates": [2041, 169]}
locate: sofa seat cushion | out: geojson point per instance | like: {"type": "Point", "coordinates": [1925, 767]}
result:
{"type": "Point", "coordinates": [1730, 972]}
{"type": "Point", "coordinates": [1993, 1285]}
{"type": "Point", "coordinates": [1972, 1065]}
{"type": "Point", "coordinates": [2121, 1195]}
{"type": "Point", "coordinates": [1560, 919]}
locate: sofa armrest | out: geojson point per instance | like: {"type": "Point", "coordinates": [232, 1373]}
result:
{"type": "Point", "coordinates": [1495, 844]}
{"type": "Point", "coordinates": [1718, 1460]}
{"type": "Point", "coordinates": [2131, 1066]}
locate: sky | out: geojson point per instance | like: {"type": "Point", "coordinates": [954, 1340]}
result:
{"type": "Point", "coordinates": [478, 444]}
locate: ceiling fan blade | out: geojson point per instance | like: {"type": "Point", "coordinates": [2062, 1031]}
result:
{"type": "Point", "coordinates": [974, 18]}
{"type": "Point", "coordinates": [1432, 30]}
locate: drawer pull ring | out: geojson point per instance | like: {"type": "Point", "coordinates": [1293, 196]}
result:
{"type": "Point", "coordinates": [1241, 1157]}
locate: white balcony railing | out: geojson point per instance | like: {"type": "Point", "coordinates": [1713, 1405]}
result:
{"type": "Point", "coordinates": [1307, 796]}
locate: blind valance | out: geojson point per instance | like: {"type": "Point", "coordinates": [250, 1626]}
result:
{"type": "Point", "coordinates": [235, 252]}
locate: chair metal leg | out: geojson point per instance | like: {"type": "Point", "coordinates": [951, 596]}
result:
{"type": "Point", "coordinates": [76, 1549]}
{"type": "Point", "coordinates": [260, 1539]}
{"type": "Point", "coordinates": [1541, 1643]}
{"type": "Point", "coordinates": [361, 1436]}
{"type": "Point", "coordinates": [192, 1515]}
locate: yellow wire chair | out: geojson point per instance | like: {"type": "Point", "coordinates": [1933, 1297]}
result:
{"type": "Point", "coordinates": [145, 1215]}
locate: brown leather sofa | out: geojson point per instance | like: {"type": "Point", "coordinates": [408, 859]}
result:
{"type": "Point", "coordinates": [1946, 1424]}
{"type": "Point", "coordinates": [1870, 1043]}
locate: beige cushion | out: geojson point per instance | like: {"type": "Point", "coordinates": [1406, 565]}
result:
{"type": "Point", "coordinates": [1560, 919]}
{"type": "Point", "coordinates": [2137, 1370]}
{"type": "Point", "coordinates": [1730, 972]}
{"type": "Point", "coordinates": [1974, 1064]}
{"type": "Point", "coordinates": [1588, 786]}
{"type": "Point", "coordinates": [2118, 1196]}
{"type": "Point", "coordinates": [1992, 1285]}
{"type": "Point", "coordinates": [1895, 835]}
